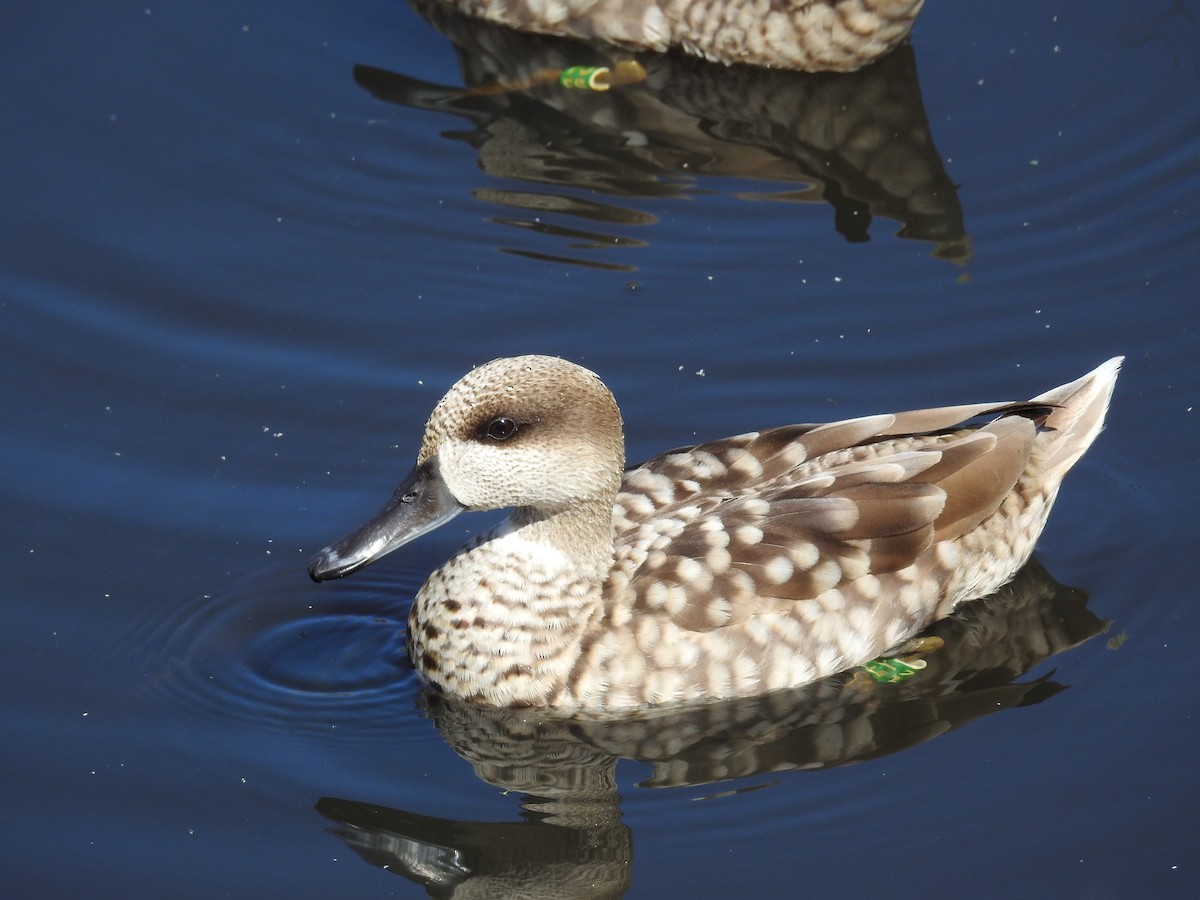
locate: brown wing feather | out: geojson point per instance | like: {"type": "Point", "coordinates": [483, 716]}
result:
{"type": "Point", "coordinates": [976, 489]}
{"type": "Point", "coordinates": [761, 521]}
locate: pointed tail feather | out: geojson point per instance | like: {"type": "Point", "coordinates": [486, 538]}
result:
{"type": "Point", "coordinates": [1078, 416]}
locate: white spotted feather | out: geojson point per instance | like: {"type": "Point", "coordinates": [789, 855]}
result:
{"type": "Point", "coordinates": [808, 35]}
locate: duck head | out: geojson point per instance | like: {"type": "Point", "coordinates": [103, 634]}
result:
{"type": "Point", "coordinates": [536, 433]}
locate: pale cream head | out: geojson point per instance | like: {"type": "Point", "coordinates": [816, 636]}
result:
{"type": "Point", "coordinates": [528, 431]}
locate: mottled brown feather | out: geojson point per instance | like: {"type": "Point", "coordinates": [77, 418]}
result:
{"type": "Point", "coordinates": [974, 491]}
{"type": "Point", "coordinates": [878, 497]}
{"type": "Point", "coordinates": [829, 35]}
{"type": "Point", "coordinates": [895, 552]}
{"type": "Point", "coordinates": [886, 510]}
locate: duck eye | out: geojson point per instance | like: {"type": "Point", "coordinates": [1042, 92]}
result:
{"type": "Point", "coordinates": [501, 429]}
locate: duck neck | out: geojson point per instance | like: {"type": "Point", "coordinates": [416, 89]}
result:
{"type": "Point", "coordinates": [503, 620]}
{"type": "Point", "coordinates": [582, 532]}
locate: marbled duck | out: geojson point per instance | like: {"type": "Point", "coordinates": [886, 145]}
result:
{"type": "Point", "coordinates": [728, 569]}
{"type": "Point", "coordinates": [809, 35]}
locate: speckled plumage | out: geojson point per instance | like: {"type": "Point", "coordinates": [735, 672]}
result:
{"type": "Point", "coordinates": [728, 569]}
{"type": "Point", "coordinates": [809, 35]}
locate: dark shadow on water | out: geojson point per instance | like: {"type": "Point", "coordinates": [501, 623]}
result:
{"type": "Point", "coordinates": [859, 142]}
{"type": "Point", "coordinates": [571, 841]}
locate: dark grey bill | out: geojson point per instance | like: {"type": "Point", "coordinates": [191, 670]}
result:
{"type": "Point", "coordinates": [421, 503]}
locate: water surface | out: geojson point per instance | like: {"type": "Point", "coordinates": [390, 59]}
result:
{"type": "Point", "coordinates": [247, 249]}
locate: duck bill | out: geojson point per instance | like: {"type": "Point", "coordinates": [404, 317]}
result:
{"type": "Point", "coordinates": [420, 504]}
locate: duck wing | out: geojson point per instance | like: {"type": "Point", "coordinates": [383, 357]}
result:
{"type": "Point", "coordinates": [714, 534]}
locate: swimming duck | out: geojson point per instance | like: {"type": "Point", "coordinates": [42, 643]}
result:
{"type": "Point", "coordinates": [727, 569]}
{"type": "Point", "coordinates": [808, 35]}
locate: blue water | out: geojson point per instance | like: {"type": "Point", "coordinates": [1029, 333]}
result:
{"type": "Point", "coordinates": [236, 274]}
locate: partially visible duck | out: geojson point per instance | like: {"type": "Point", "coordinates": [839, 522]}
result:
{"type": "Point", "coordinates": [728, 569]}
{"type": "Point", "coordinates": [808, 35]}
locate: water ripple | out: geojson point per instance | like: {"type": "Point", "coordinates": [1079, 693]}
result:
{"type": "Point", "coordinates": [280, 659]}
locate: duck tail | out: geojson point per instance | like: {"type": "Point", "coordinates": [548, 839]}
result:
{"type": "Point", "coordinates": [1077, 416]}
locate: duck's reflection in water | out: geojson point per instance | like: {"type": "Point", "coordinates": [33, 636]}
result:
{"type": "Point", "coordinates": [571, 842]}
{"type": "Point", "coordinates": [859, 142]}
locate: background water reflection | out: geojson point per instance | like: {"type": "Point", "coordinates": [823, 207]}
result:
{"type": "Point", "coordinates": [245, 252]}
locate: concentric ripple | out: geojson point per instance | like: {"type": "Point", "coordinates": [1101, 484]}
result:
{"type": "Point", "coordinates": [297, 658]}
